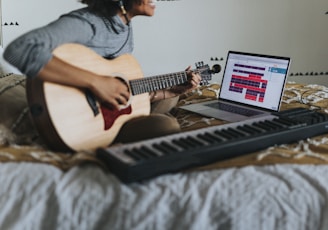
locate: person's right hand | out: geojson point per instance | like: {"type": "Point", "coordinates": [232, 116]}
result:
{"type": "Point", "coordinates": [111, 91]}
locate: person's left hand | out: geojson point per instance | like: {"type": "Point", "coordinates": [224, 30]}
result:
{"type": "Point", "coordinates": [193, 82]}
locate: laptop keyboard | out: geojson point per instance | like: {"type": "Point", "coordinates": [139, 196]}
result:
{"type": "Point", "coordinates": [234, 109]}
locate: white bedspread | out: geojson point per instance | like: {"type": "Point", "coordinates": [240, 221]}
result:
{"type": "Point", "coordinates": [38, 196]}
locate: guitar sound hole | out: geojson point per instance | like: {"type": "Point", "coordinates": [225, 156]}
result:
{"type": "Point", "coordinates": [92, 102]}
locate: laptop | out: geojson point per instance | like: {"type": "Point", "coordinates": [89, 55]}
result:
{"type": "Point", "coordinates": [252, 86]}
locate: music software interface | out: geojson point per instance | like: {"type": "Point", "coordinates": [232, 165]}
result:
{"type": "Point", "coordinates": [254, 80]}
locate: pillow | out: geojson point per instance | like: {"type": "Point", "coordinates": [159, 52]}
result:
{"type": "Point", "coordinates": [15, 124]}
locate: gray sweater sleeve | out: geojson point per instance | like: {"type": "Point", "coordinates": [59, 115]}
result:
{"type": "Point", "coordinates": [31, 51]}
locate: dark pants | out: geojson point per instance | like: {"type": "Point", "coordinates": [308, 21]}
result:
{"type": "Point", "coordinates": [158, 123]}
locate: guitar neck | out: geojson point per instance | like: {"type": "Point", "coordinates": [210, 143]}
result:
{"type": "Point", "coordinates": [149, 84]}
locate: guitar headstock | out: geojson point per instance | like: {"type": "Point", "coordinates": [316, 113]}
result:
{"type": "Point", "coordinates": [206, 72]}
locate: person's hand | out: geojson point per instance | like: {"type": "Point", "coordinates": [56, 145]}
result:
{"type": "Point", "coordinates": [193, 82]}
{"type": "Point", "coordinates": [194, 79]}
{"type": "Point", "coordinates": [111, 91]}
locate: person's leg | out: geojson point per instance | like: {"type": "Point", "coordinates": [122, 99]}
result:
{"type": "Point", "coordinates": [164, 106]}
{"type": "Point", "coordinates": [158, 123]}
{"type": "Point", "coordinates": [146, 127]}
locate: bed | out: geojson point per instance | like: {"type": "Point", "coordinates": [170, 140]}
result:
{"type": "Point", "coordinates": [281, 187]}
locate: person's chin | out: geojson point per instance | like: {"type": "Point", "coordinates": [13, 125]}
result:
{"type": "Point", "coordinates": [150, 13]}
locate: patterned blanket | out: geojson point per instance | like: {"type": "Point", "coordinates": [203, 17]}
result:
{"type": "Point", "coordinates": [19, 141]}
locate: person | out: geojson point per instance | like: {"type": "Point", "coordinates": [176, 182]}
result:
{"type": "Point", "coordinates": [104, 26]}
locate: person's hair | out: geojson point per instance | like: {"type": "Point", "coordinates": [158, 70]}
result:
{"type": "Point", "coordinates": [108, 8]}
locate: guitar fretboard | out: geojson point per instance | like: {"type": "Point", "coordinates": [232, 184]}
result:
{"type": "Point", "coordinates": [158, 82]}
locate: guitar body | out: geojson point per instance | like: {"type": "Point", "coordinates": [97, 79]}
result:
{"type": "Point", "coordinates": [63, 115]}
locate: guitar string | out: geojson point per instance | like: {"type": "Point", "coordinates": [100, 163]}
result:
{"type": "Point", "coordinates": [159, 82]}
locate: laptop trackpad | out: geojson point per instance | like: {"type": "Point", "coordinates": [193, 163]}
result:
{"type": "Point", "coordinates": [222, 115]}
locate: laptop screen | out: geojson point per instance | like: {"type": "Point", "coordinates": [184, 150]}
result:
{"type": "Point", "coordinates": [254, 79]}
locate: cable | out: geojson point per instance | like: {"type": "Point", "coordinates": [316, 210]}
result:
{"type": "Point", "coordinates": [316, 107]}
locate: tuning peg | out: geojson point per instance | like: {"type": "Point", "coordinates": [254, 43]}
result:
{"type": "Point", "coordinates": [199, 64]}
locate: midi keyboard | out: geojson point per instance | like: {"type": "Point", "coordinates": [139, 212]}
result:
{"type": "Point", "coordinates": [149, 158]}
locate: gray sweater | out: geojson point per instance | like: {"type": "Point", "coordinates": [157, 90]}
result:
{"type": "Point", "coordinates": [108, 37]}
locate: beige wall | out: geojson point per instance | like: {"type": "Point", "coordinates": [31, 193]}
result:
{"type": "Point", "coordinates": [187, 31]}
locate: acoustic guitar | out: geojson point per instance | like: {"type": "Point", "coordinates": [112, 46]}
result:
{"type": "Point", "coordinates": [71, 119]}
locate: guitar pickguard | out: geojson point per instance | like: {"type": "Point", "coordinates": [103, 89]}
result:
{"type": "Point", "coordinates": [110, 115]}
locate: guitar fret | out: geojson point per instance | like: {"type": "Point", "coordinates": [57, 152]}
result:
{"type": "Point", "coordinates": [147, 87]}
{"type": "Point", "coordinates": [171, 83]}
{"type": "Point", "coordinates": [156, 83]}
{"type": "Point", "coordinates": [143, 87]}
{"type": "Point", "coordinates": [165, 83]}
{"type": "Point", "coordinates": [132, 87]}
{"type": "Point", "coordinates": [161, 85]}
{"type": "Point", "coordinates": [138, 89]}
{"type": "Point", "coordinates": [153, 84]}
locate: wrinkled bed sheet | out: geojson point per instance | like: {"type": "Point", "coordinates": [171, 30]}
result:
{"type": "Point", "coordinates": [40, 196]}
